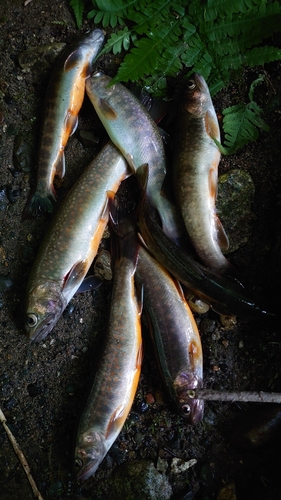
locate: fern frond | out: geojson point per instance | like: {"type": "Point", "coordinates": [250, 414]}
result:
{"type": "Point", "coordinates": [118, 41]}
{"type": "Point", "coordinates": [240, 125]}
{"type": "Point", "coordinates": [145, 57]}
{"type": "Point", "coordinates": [110, 12]}
{"type": "Point", "coordinates": [260, 55]}
{"type": "Point", "coordinates": [78, 7]}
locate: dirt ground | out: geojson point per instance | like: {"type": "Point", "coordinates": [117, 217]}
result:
{"type": "Point", "coordinates": [43, 386]}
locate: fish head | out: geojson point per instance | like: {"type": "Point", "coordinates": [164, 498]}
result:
{"type": "Point", "coordinates": [100, 91]}
{"type": "Point", "coordinates": [191, 409]}
{"type": "Point", "coordinates": [197, 99]}
{"type": "Point", "coordinates": [89, 453]}
{"type": "Point", "coordinates": [45, 305]}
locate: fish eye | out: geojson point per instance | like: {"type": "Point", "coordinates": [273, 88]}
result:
{"type": "Point", "coordinates": [190, 85]}
{"type": "Point", "coordinates": [78, 463]}
{"type": "Point", "coordinates": [185, 410]}
{"type": "Point", "coordinates": [31, 320]}
{"type": "Point", "coordinates": [97, 73]}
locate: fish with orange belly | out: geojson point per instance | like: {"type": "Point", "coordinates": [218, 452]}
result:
{"type": "Point", "coordinates": [195, 170]}
{"type": "Point", "coordinates": [117, 376]}
{"type": "Point", "coordinates": [63, 101]}
{"type": "Point", "coordinates": [72, 242]}
{"type": "Point", "coordinates": [175, 335]}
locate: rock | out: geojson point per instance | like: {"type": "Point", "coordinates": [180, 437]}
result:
{"type": "Point", "coordinates": [227, 492]}
{"type": "Point", "coordinates": [139, 479]}
{"type": "Point", "coordinates": [235, 195]}
{"type": "Point", "coordinates": [41, 57]}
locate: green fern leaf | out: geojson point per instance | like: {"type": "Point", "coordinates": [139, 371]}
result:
{"type": "Point", "coordinates": [78, 7]}
{"type": "Point", "coordinates": [110, 12]}
{"type": "Point", "coordinates": [118, 41]}
{"type": "Point", "coordinates": [260, 55]}
{"type": "Point", "coordinates": [145, 57]}
{"type": "Point", "coordinates": [240, 125]}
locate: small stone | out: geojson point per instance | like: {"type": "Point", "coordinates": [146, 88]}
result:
{"type": "Point", "coordinates": [21, 154]}
{"type": "Point", "coordinates": [102, 266]}
{"type": "Point", "coordinates": [178, 465]}
{"type": "Point", "coordinates": [33, 390]}
{"type": "Point", "coordinates": [3, 199]}
{"type": "Point", "coordinates": [149, 398]}
{"type": "Point", "coordinates": [227, 492]}
{"type": "Point", "coordinates": [5, 283]}
{"type": "Point", "coordinates": [88, 138]}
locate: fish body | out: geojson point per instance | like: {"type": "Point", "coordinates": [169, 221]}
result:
{"type": "Point", "coordinates": [225, 295]}
{"type": "Point", "coordinates": [71, 242]}
{"type": "Point", "coordinates": [195, 170]}
{"type": "Point", "coordinates": [118, 372]}
{"type": "Point", "coordinates": [133, 131]}
{"type": "Point", "coordinates": [63, 101]}
{"type": "Point", "coordinates": [175, 335]}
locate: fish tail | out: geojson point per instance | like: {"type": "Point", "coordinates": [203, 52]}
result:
{"type": "Point", "coordinates": [123, 225]}
{"type": "Point", "coordinates": [37, 203]}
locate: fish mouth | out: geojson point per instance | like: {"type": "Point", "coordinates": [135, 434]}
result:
{"type": "Point", "coordinates": [43, 329]}
{"type": "Point", "coordinates": [87, 470]}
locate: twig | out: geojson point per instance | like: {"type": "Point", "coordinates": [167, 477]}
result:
{"type": "Point", "coordinates": [243, 396]}
{"type": "Point", "coordinates": [20, 456]}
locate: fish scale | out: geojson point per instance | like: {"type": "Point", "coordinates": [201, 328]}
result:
{"type": "Point", "coordinates": [118, 372]}
{"type": "Point", "coordinates": [63, 101]}
{"type": "Point", "coordinates": [175, 335]}
{"type": "Point", "coordinates": [133, 131]}
{"type": "Point", "coordinates": [195, 172]}
{"type": "Point", "coordinates": [72, 241]}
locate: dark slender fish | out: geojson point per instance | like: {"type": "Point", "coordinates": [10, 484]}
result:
{"type": "Point", "coordinates": [71, 242]}
{"type": "Point", "coordinates": [225, 295]}
{"type": "Point", "coordinates": [133, 131]}
{"type": "Point", "coordinates": [116, 380]}
{"type": "Point", "coordinates": [175, 335]}
{"type": "Point", "coordinates": [195, 171]}
{"type": "Point", "coordinates": [63, 101]}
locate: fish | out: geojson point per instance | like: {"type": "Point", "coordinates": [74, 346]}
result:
{"type": "Point", "coordinates": [133, 131]}
{"type": "Point", "coordinates": [117, 375]}
{"type": "Point", "coordinates": [195, 174]}
{"type": "Point", "coordinates": [64, 98]}
{"type": "Point", "coordinates": [71, 242]}
{"type": "Point", "coordinates": [225, 295]}
{"type": "Point", "coordinates": [174, 333]}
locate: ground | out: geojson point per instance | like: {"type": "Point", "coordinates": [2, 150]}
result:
{"type": "Point", "coordinates": [43, 386]}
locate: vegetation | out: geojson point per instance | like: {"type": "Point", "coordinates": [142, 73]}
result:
{"type": "Point", "coordinates": [216, 38]}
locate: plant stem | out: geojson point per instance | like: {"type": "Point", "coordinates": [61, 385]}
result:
{"type": "Point", "coordinates": [20, 456]}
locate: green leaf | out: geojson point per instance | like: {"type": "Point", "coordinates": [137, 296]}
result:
{"type": "Point", "coordinates": [117, 42]}
{"type": "Point", "coordinates": [240, 124]}
{"type": "Point", "coordinates": [78, 7]}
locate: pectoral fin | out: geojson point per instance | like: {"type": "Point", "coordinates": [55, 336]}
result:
{"type": "Point", "coordinates": [60, 165]}
{"type": "Point", "coordinates": [75, 275]}
{"type": "Point", "coordinates": [107, 110]}
{"type": "Point", "coordinates": [211, 124]}
{"type": "Point", "coordinates": [221, 235]}
{"type": "Point", "coordinates": [115, 423]}
{"type": "Point", "coordinates": [71, 123]}
{"type": "Point", "coordinates": [72, 60]}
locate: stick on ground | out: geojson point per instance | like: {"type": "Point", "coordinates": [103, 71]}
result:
{"type": "Point", "coordinates": [231, 396]}
{"type": "Point", "coordinates": [20, 456]}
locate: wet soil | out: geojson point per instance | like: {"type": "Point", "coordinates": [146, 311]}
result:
{"type": "Point", "coordinates": [43, 386]}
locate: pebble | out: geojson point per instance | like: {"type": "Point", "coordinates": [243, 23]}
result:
{"type": "Point", "coordinates": [39, 56]}
{"type": "Point", "coordinates": [178, 466]}
{"type": "Point", "coordinates": [5, 283]}
{"type": "Point", "coordinates": [21, 154]}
